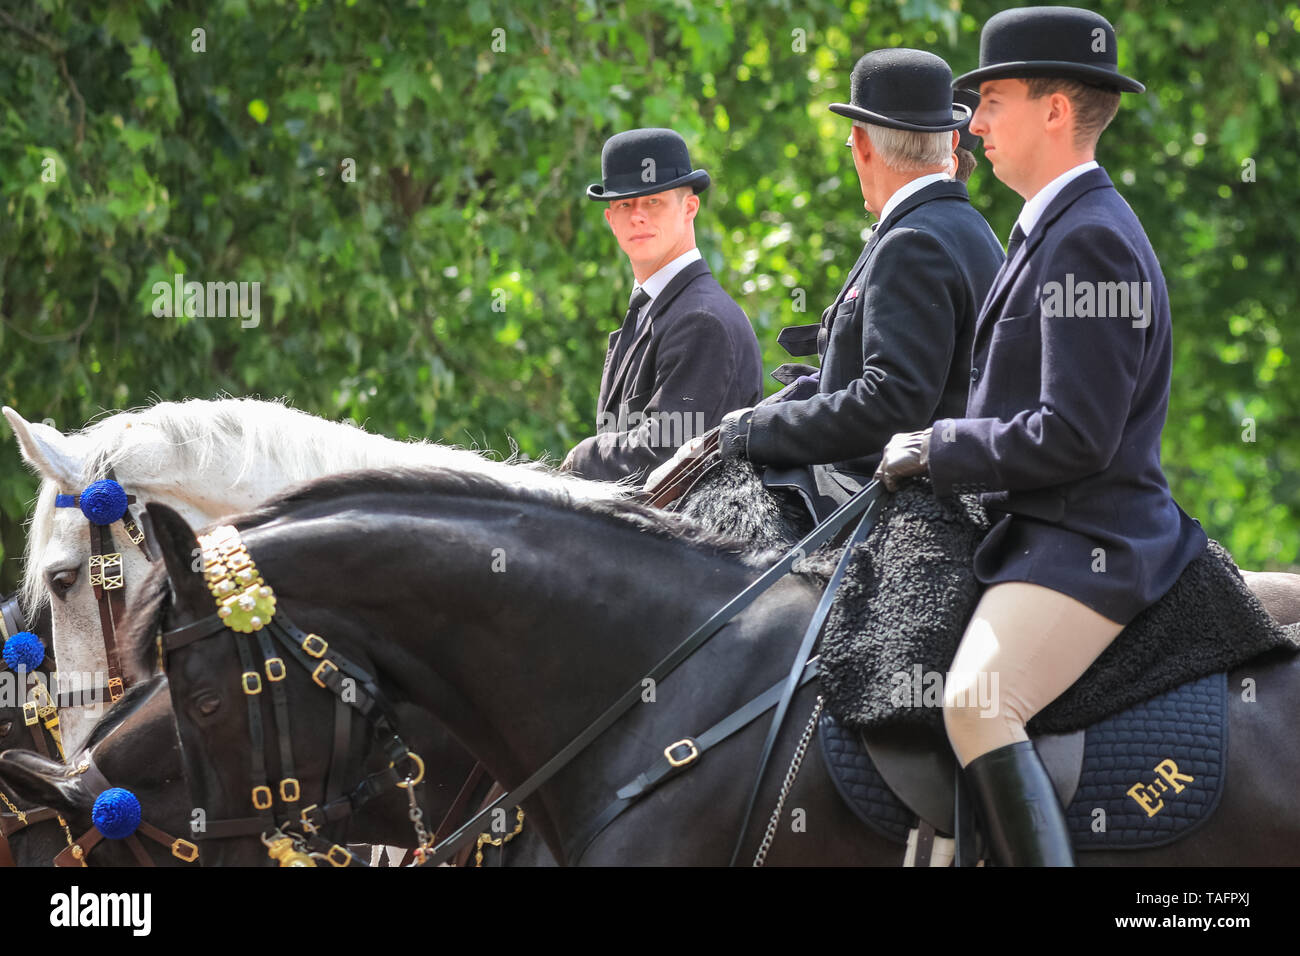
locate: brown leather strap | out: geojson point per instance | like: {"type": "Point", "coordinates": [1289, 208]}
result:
{"type": "Point", "coordinates": [683, 478]}
{"type": "Point", "coordinates": [112, 602]}
{"type": "Point", "coordinates": [163, 838]}
{"type": "Point", "coordinates": [924, 844]}
{"type": "Point", "coordinates": [137, 851]}
{"type": "Point", "coordinates": [10, 824]}
{"type": "Point", "coordinates": [69, 856]}
{"type": "Point", "coordinates": [38, 741]}
{"type": "Point", "coordinates": [6, 854]}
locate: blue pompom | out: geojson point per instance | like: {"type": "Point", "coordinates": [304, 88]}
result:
{"type": "Point", "coordinates": [103, 502]}
{"type": "Point", "coordinates": [116, 813]}
{"type": "Point", "coordinates": [24, 649]}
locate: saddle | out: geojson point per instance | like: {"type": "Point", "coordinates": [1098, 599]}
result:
{"type": "Point", "coordinates": [917, 764]}
{"type": "Point", "coordinates": [685, 476]}
{"type": "Point", "coordinates": [1143, 777]}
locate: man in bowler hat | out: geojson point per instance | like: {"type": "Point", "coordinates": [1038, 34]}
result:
{"type": "Point", "coordinates": [686, 352]}
{"type": "Point", "coordinates": [895, 344]}
{"type": "Point", "coordinates": [1061, 435]}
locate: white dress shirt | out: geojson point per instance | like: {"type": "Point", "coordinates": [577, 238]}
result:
{"type": "Point", "coordinates": [905, 190]}
{"type": "Point", "coordinates": [1040, 200]}
{"type": "Point", "coordinates": [659, 281]}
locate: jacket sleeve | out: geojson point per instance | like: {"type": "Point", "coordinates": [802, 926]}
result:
{"type": "Point", "coordinates": [912, 294]}
{"type": "Point", "coordinates": [694, 366]}
{"type": "Point", "coordinates": [1089, 369]}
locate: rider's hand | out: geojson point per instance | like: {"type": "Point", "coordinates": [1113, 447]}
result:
{"type": "Point", "coordinates": [906, 455]}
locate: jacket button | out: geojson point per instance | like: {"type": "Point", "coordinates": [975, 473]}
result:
{"type": "Point", "coordinates": [974, 375]}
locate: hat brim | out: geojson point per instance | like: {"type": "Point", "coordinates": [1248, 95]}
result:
{"type": "Point", "coordinates": [880, 119]}
{"type": "Point", "coordinates": [697, 179]}
{"type": "Point", "coordinates": [1065, 69]}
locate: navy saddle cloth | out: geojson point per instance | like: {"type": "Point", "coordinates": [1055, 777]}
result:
{"type": "Point", "coordinates": [1151, 773]}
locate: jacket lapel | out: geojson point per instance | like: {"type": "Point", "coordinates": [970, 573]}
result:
{"type": "Point", "coordinates": [1074, 190]}
{"type": "Point", "coordinates": [679, 282]}
{"type": "Point", "coordinates": [937, 190]}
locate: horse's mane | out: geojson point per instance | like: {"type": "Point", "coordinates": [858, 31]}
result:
{"type": "Point", "coordinates": [462, 484]}
{"type": "Point", "coordinates": [148, 605]}
{"type": "Point", "coordinates": [179, 438]}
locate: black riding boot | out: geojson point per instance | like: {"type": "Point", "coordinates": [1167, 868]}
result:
{"type": "Point", "coordinates": [1022, 816]}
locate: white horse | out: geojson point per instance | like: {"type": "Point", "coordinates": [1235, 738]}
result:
{"type": "Point", "coordinates": [205, 459]}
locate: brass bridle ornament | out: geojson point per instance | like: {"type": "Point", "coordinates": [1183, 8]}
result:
{"type": "Point", "coordinates": [246, 606]}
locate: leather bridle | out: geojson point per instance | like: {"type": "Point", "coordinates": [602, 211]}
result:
{"type": "Point", "coordinates": [77, 851]}
{"type": "Point", "coordinates": [247, 614]}
{"type": "Point", "coordinates": [39, 711]}
{"type": "Point", "coordinates": [106, 578]}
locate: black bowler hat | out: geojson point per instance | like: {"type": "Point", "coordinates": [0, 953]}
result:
{"type": "Point", "coordinates": [971, 99]}
{"type": "Point", "coordinates": [645, 161]}
{"type": "Point", "coordinates": [903, 89]}
{"type": "Point", "coordinates": [1063, 42]}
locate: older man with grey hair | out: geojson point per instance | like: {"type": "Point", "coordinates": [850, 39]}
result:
{"type": "Point", "coordinates": [895, 344]}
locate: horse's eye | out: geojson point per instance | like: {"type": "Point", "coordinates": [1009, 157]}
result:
{"type": "Point", "coordinates": [207, 702]}
{"type": "Point", "coordinates": [61, 582]}
{"type": "Point", "coordinates": [5, 727]}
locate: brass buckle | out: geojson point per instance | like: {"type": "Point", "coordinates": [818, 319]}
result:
{"type": "Point", "coordinates": [315, 645]}
{"type": "Point", "coordinates": [287, 786]}
{"type": "Point", "coordinates": [316, 675]}
{"type": "Point", "coordinates": [115, 688]}
{"type": "Point", "coordinates": [264, 792]}
{"type": "Point", "coordinates": [419, 768]}
{"type": "Point", "coordinates": [132, 529]}
{"type": "Point", "coordinates": [691, 757]}
{"type": "Point", "coordinates": [342, 855]}
{"type": "Point", "coordinates": [252, 683]}
{"type": "Point", "coordinates": [275, 668]}
{"type": "Point", "coordinates": [184, 850]}
{"type": "Point", "coordinates": [106, 570]}
{"type": "Point", "coordinates": [30, 717]}
{"type": "Point", "coordinates": [307, 825]}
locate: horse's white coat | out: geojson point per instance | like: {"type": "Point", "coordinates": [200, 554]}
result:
{"type": "Point", "coordinates": [205, 459]}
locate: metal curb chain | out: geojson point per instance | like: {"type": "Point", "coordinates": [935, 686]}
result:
{"type": "Point", "coordinates": [795, 762]}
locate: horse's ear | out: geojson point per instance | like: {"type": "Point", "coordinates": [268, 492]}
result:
{"type": "Point", "coordinates": [47, 450]}
{"type": "Point", "coordinates": [42, 781]}
{"type": "Point", "coordinates": [180, 552]}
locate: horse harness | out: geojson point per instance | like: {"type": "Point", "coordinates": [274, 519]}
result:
{"type": "Point", "coordinates": [40, 715]}
{"type": "Point", "coordinates": [247, 606]}
{"type": "Point", "coordinates": [104, 503]}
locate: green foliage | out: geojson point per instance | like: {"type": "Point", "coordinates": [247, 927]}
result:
{"type": "Point", "coordinates": [461, 288]}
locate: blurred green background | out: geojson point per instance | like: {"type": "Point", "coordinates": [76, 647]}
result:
{"type": "Point", "coordinates": [462, 287]}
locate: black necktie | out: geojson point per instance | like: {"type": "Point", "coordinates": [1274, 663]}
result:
{"type": "Point", "coordinates": [1017, 237]}
{"type": "Point", "coordinates": [625, 336]}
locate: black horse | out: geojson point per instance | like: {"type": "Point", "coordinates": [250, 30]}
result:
{"type": "Point", "coordinates": [517, 616]}
{"type": "Point", "coordinates": [132, 746]}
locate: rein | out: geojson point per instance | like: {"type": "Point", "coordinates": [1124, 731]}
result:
{"type": "Point", "coordinates": [821, 534]}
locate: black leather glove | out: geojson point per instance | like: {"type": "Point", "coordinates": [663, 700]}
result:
{"type": "Point", "coordinates": [733, 436]}
{"type": "Point", "coordinates": [906, 455]}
